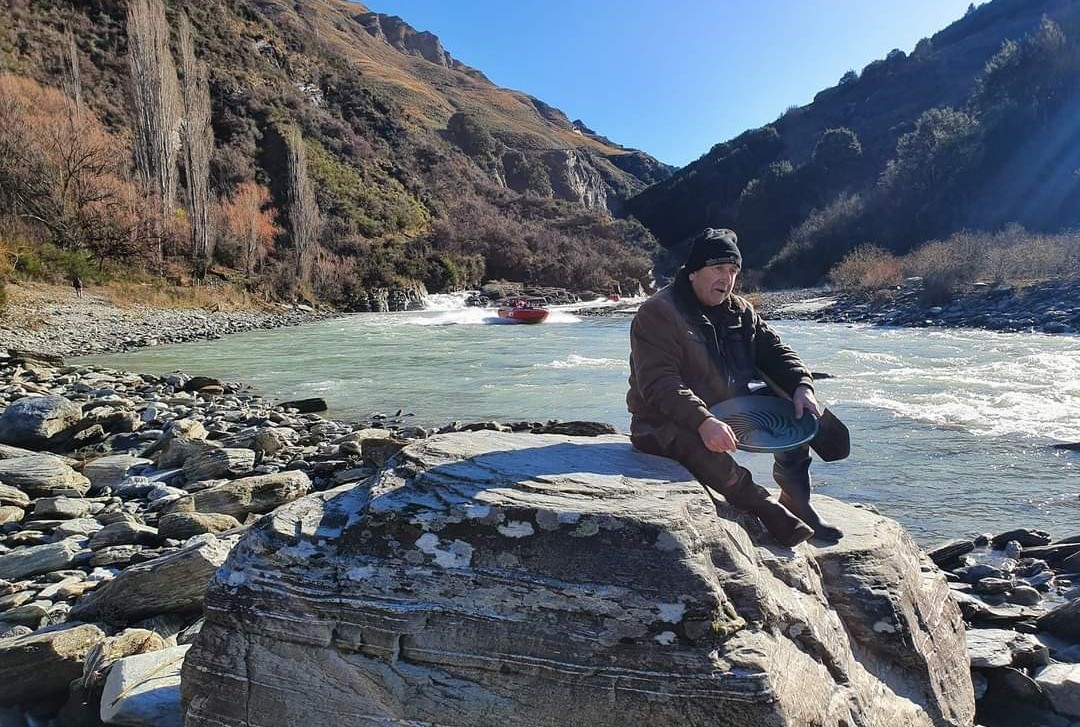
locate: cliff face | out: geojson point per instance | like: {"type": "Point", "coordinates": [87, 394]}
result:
{"type": "Point", "coordinates": [541, 580]}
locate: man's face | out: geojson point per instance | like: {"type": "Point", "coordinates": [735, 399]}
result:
{"type": "Point", "coordinates": [712, 284]}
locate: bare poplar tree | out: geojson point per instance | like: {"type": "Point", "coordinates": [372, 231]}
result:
{"type": "Point", "coordinates": [74, 77]}
{"type": "Point", "coordinates": [303, 210]}
{"type": "Point", "coordinates": [156, 98]}
{"type": "Point", "coordinates": [198, 141]}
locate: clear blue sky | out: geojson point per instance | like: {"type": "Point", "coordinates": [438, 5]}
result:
{"type": "Point", "coordinates": [673, 78]}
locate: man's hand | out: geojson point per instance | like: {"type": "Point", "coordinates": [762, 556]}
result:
{"type": "Point", "coordinates": [804, 400]}
{"type": "Point", "coordinates": [717, 435]}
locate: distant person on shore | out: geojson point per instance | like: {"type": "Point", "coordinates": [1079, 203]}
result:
{"type": "Point", "coordinates": [76, 282]}
{"type": "Point", "coordinates": [694, 344]}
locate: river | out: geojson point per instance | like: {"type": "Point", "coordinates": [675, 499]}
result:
{"type": "Point", "coordinates": [951, 428]}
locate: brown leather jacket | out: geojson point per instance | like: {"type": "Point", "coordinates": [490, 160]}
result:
{"type": "Point", "coordinates": [682, 360]}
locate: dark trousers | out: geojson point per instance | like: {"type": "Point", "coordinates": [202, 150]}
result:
{"type": "Point", "coordinates": [720, 474]}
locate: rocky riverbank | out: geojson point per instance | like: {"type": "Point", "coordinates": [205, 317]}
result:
{"type": "Point", "coordinates": [53, 320]}
{"type": "Point", "coordinates": [1051, 307]}
{"type": "Point", "coordinates": [123, 493]}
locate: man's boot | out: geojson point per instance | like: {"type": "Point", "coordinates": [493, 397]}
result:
{"type": "Point", "coordinates": [784, 528]}
{"type": "Point", "coordinates": [792, 473]}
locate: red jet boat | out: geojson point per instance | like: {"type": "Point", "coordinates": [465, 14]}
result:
{"type": "Point", "coordinates": [524, 310]}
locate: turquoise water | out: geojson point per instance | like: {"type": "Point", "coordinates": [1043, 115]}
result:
{"type": "Point", "coordinates": [951, 429]}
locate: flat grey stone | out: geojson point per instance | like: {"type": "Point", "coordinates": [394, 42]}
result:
{"type": "Point", "coordinates": [144, 690]}
{"type": "Point", "coordinates": [989, 648]}
{"type": "Point", "coordinates": [1061, 684]}
{"type": "Point", "coordinates": [37, 559]}
{"type": "Point", "coordinates": [43, 475]}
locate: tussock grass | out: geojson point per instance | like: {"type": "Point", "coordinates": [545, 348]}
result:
{"type": "Point", "coordinates": [223, 297]}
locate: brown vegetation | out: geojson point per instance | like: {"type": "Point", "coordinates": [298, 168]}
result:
{"type": "Point", "coordinates": [289, 151]}
{"type": "Point", "coordinates": [1012, 255]}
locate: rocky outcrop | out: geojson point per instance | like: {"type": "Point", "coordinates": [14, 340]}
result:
{"type": "Point", "coordinates": [496, 579]}
{"type": "Point", "coordinates": [573, 178]}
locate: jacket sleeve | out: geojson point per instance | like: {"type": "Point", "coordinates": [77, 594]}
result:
{"type": "Point", "coordinates": [654, 353]}
{"type": "Point", "coordinates": [777, 359]}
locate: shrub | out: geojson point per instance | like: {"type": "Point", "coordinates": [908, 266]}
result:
{"type": "Point", "coordinates": [945, 266]}
{"type": "Point", "coordinates": [821, 241]}
{"type": "Point", "coordinates": [867, 268]}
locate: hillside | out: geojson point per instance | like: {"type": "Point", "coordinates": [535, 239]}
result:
{"type": "Point", "coordinates": [420, 169]}
{"type": "Point", "coordinates": [974, 129]}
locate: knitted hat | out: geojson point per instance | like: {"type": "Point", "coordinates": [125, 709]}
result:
{"type": "Point", "coordinates": [713, 247]}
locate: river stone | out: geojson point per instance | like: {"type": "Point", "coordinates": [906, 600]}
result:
{"type": "Point", "coordinates": [13, 496]}
{"type": "Point", "coordinates": [43, 664]}
{"type": "Point", "coordinates": [1025, 536]}
{"type": "Point", "coordinates": [37, 559]}
{"type": "Point", "coordinates": [69, 508]}
{"type": "Point", "coordinates": [182, 438]}
{"type": "Point", "coordinates": [83, 527]}
{"type": "Point", "coordinates": [30, 614]}
{"type": "Point", "coordinates": [1062, 621]}
{"type": "Point", "coordinates": [1051, 553]}
{"type": "Point", "coordinates": [1023, 595]}
{"type": "Point", "coordinates": [540, 580]}
{"type": "Point", "coordinates": [184, 525]}
{"type": "Point", "coordinates": [124, 533]}
{"type": "Point", "coordinates": [38, 421]}
{"type": "Point", "coordinates": [1071, 564]}
{"type": "Point", "coordinates": [1061, 684]}
{"type": "Point", "coordinates": [172, 583]}
{"type": "Point", "coordinates": [43, 475]}
{"type": "Point", "coordinates": [15, 599]}
{"type": "Point", "coordinates": [115, 556]}
{"type": "Point", "coordinates": [989, 648]}
{"type": "Point", "coordinates": [9, 452]}
{"type": "Point", "coordinates": [259, 494]}
{"type": "Point", "coordinates": [111, 470]}
{"type": "Point", "coordinates": [144, 690]}
{"type": "Point", "coordinates": [105, 653]}
{"type": "Point", "coordinates": [11, 514]}
{"type": "Point", "coordinates": [950, 552]}
{"type": "Point", "coordinates": [217, 462]}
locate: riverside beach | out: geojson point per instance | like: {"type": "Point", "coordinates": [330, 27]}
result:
{"type": "Point", "coordinates": [124, 493]}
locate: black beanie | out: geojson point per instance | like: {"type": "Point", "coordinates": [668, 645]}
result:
{"type": "Point", "coordinates": [713, 247]}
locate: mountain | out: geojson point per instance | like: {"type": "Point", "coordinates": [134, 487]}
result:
{"type": "Point", "coordinates": [422, 170]}
{"type": "Point", "coordinates": [974, 129]}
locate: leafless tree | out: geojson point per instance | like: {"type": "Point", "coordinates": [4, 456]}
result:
{"type": "Point", "coordinates": [304, 218]}
{"type": "Point", "coordinates": [156, 99]}
{"type": "Point", "coordinates": [74, 77]}
{"type": "Point", "coordinates": [198, 141]}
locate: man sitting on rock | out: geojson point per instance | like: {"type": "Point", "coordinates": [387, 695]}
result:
{"type": "Point", "coordinates": [694, 344]}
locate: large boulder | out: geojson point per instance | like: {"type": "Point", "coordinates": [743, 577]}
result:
{"type": "Point", "coordinates": [257, 494]}
{"type": "Point", "coordinates": [38, 421]}
{"type": "Point", "coordinates": [173, 583]}
{"type": "Point", "coordinates": [44, 663]}
{"type": "Point", "coordinates": [494, 579]}
{"type": "Point", "coordinates": [43, 475]}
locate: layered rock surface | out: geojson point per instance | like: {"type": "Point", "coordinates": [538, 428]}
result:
{"type": "Point", "coordinates": [506, 579]}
